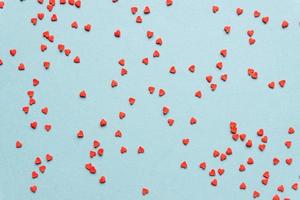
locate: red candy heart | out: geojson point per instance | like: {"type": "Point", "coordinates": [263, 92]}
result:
{"type": "Point", "coordinates": [133, 10]}
{"type": "Point", "coordinates": [33, 188]}
{"type": "Point", "coordinates": [169, 2]}
{"type": "Point", "coordinates": [183, 165]}
{"type": "Point", "coordinates": [185, 141]}
{"type": "Point", "coordinates": [102, 180]}
{"type": "Point", "coordinates": [42, 168]}
{"type": "Point", "coordinates": [117, 33]}
{"type": "Point", "coordinates": [139, 19]}
{"type": "Point", "coordinates": [80, 134]}
{"type": "Point", "coordinates": [215, 9]}
{"type": "Point", "coordinates": [214, 182]}
{"type": "Point", "coordinates": [265, 20]}
{"type": "Point", "coordinates": [140, 150]}
{"type": "Point", "coordinates": [243, 186]}
{"type": "Point", "coordinates": [74, 24]}
{"type": "Point", "coordinates": [159, 41]}
{"type": "Point", "coordinates": [34, 174]}
{"type": "Point", "coordinates": [150, 34]}
{"type": "Point", "coordinates": [239, 11]}
{"type": "Point", "coordinates": [227, 29]}
{"type": "Point", "coordinates": [49, 157]}
{"type": "Point", "coordinates": [172, 70]}
{"type": "Point", "coordinates": [103, 122]}
{"type": "Point", "coordinates": [37, 160]}
{"type": "Point", "coordinates": [87, 27]}
{"type": "Point", "coordinates": [151, 89]}
{"type": "Point", "coordinates": [131, 100]}
{"type": "Point", "coordinates": [282, 83]}
{"type": "Point", "coordinates": [44, 110]}
{"type": "Point", "coordinates": [145, 61]}
{"type": "Point", "coordinates": [18, 144]}
{"type": "Point", "coordinates": [122, 115]}
{"type": "Point", "coordinates": [145, 191]}
{"type": "Point", "coordinates": [48, 127]}
{"type": "Point", "coordinates": [223, 52]}
{"type": "Point", "coordinates": [76, 59]}
{"type": "Point", "coordinates": [198, 94]}
{"type": "Point", "coordinates": [123, 150]}
{"type": "Point", "coordinates": [82, 94]}
{"type": "Point", "coordinates": [202, 165]}
{"type": "Point", "coordinates": [284, 24]}
{"type": "Point", "coordinates": [256, 13]}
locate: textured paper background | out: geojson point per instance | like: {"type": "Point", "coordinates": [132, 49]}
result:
{"type": "Point", "coordinates": [192, 35]}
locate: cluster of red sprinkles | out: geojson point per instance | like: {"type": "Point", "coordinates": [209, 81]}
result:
{"type": "Point", "coordinates": [260, 141]}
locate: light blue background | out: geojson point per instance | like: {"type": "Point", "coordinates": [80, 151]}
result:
{"type": "Point", "coordinates": [191, 35]}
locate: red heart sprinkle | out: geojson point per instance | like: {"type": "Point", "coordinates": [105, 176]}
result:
{"type": "Point", "coordinates": [117, 33]}
{"type": "Point", "coordinates": [221, 171]}
{"type": "Point", "coordinates": [255, 194]}
{"type": "Point", "coordinates": [74, 24]}
{"type": "Point", "coordinates": [122, 115]}
{"type": "Point", "coordinates": [18, 144]}
{"type": "Point", "coordinates": [185, 141]}
{"type": "Point", "coordinates": [165, 110]}
{"type": "Point", "coordinates": [42, 168]}
{"type": "Point", "coordinates": [33, 125]}
{"type": "Point", "coordinates": [25, 109]}
{"type": "Point", "coordinates": [145, 61]}
{"type": "Point", "coordinates": [92, 154]}
{"type": "Point", "coordinates": [131, 100]}
{"type": "Point", "coordinates": [100, 151]}
{"type": "Point", "coordinates": [265, 20]}
{"type": "Point", "coordinates": [215, 9]}
{"type": "Point", "coordinates": [261, 147]}
{"type": "Point", "coordinates": [103, 122]}
{"type": "Point", "coordinates": [183, 165]}
{"type": "Point", "coordinates": [172, 70]}
{"type": "Point", "coordinates": [145, 191]}
{"type": "Point", "coordinates": [223, 52]}
{"type": "Point", "coordinates": [87, 27]}
{"type": "Point", "coordinates": [275, 161]}
{"type": "Point", "coordinates": [76, 59]}
{"type": "Point", "coordinates": [47, 127]}
{"type": "Point", "coordinates": [13, 52]}
{"type": "Point", "coordinates": [202, 165]}
{"type": "Point", "coordinates": [80, 134]}
{"type": "Point", "coordinates": [82, 94]}
{"type": "Point", "coordinates": [251, 41]}
{"type": "Point", "coordinates": [121, 62]}
{"type": "Point", "coordinates": [102, 180]}
{"type": "Point", "coordinates": [208, 78]}
{"type": "Point", "coordinates": [37, 160]}
{"type": "Point", "coordinates": [159, 41]}
{"type": "Point", "coordinates": [35, 82]}
{"type": "Point", "coordinates": [169, 2]}
{"type": "Point", "coordinates": [282, 83]}
{"type": "Point", "coordinates": [249, 143]}
{"type": "Point", "coordinates": [133, 10]}
{"type": "Point", "coordinates": [227, 29]}
{"type": "Point", "coordinates": [40, 16]}
{"type": "Point", "coordinates": [140, 150]}
{"type": "Point", "coordinates": [33, 188]}
{"type": "Point", "coordinates": [54, 18]}
{"type": "Point", "coordinates": [212, 172]}
{"type": "Point", "coordinates": [256, 13]}
{"type": "Point", "coordinates": [114, 83]}
{"type": "Point", "coordinates": [118, 133]}
{"type": "Point", "coordinates": [213, 87]}
{"type": "Point", "coordinates": [156, 54]}
{"type": "Point", "coordinates": [266, 174]}
{"type": "Point", "coordinates": [271, 85]}
{"type": "Point", "coordinates": [242, 168]}
{"type": "Point", "coordinates": [223, 157]}
{"type": "Point", "coordinates": [44, 110]}
{"type": "Point", "coordinates": [78, 3]}
{"type": "Point", "coordinates": [224, 77]}
{"type": "Point", "coordinates": [229, 151]}
{"type": "Point", "coordinates": [260, 132]}
{"type": "Point", "coordinates": [216, 153]}
{"type": "Point", "coordinates": [284, 24]}
{"type": "Point", "coordinates": [161, 92]}
{"type": "Point", "coordinates": [291, 130]}
{"type": "Point", "coordinates": [192, 68]}
{"type": "Point", "coordinates": [34, 174]}
{"type": "Point", "coordinates": [150, 34]}
{"type": "Point", "coordinates": [43, 47]}
{"type": "Point", "coordinates": [193, 120]}
{"type": "Point", "coordinates": [295, 186]}
{"type": "Point", "coordinates": [139, 19]}
{"type": "Point", "coordinates": [250, 33]}
{"type": "Point", "coordinates": [198, 94]}
{"type": "Point", "coordinates": [288, 144]}
{"type": "Point", "coordinates": [243, 186]}
{"type": "Point", "coordinates": [219, 65]}
{"type": "Point", "coordinates": [123, 150]}
{"type": "Point", "coordinates": [250, 161]}
{"type": "Point", "coordinates": [214, 182]}
{"type": "Point", "coordinates": [289, 161]}
{"type": "Point", "coordinates": [280, 188]}
{"type": "Point", "coordinates": [49, 157]}
{"type": "Point", "coordinates": [151, 89]}
{"type": "Point", "coordinates": [170, 122]}
{"type": "Point", "coordinates": [265, 181]}
{"type": "Point", "coordinates": [239, 11]}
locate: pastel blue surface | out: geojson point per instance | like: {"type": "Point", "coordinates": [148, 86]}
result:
{"type": "Point", "coordinates": [191, 35]}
